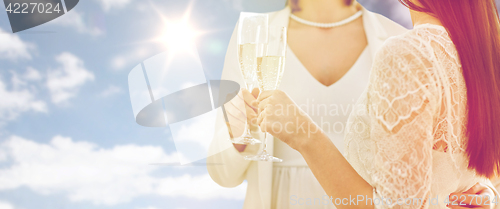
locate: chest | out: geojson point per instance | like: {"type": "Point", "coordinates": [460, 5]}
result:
{"type": "Point", "coordinates": [327, 53]}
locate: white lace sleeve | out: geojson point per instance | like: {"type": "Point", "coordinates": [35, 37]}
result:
{"type": "Point", "coordinates": [403, 98]}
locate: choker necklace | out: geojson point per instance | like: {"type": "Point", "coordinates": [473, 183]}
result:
{"type": "Point", "coordinates": [328, 25]}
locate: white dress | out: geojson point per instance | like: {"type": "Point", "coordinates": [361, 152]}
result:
{"type": "Point", "coordinates": [329, 107]}
{"type": "Point", "coordinates": [409, 142]}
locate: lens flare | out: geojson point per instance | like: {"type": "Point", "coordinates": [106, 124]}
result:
{"type": "Point", "coordinates": [179, 35]}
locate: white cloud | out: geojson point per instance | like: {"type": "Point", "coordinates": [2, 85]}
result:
{"type": "Point", "coordinates": [111, 4]}
{"type": "Point", "coordinates": [16, 81]}
{"type": "Point", "coordinates": [17, 100]}
{"type": "Point", "coordinates": [130, 58]}
{"type": "Point", "coordinates": [85, 172]}
{"type": "Point", "coordinates": [192, 137]}
{"type": "Point", "coordinates": [65, 81]}
{"type": "Point", "coordinates": [5, 205]}
{"type": "Point", "coordinates": [110, 91]}
{"type": "Point", "coordinates": [13, 48]}
{"type": "Point", "coordinates": [76, 20]}
{"type": "Point", "coordinates": [32, 74]}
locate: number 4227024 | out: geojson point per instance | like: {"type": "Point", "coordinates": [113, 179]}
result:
{"type": "Point", "coordinates": [25, 8]}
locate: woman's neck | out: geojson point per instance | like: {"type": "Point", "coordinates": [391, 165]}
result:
{"type": "Point", "coordinates": [325, 11]}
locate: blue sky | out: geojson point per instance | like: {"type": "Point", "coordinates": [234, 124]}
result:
{"type": "Point", "coordinates": [68, 138]}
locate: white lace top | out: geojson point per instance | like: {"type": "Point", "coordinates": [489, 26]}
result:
{"type": "Point", "coordinates": [406, 134]}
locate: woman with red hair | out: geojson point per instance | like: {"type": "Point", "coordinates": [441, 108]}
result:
{"type": "Point", "coordinates": [427, 125]}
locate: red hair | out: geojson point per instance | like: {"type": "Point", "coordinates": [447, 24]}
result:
{"type": "Point", "coordinates": [474, 28]}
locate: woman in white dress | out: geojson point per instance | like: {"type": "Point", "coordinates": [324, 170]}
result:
{"type": "Point", "coordinates": [427, 124]}
{"type": "Point", "coordinates": [324, 67]}
{"type": "Point", "coordinates": [326, 71]}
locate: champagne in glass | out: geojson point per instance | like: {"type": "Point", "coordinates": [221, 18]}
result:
{"type": "Point", "coordinates": [252, 37]}
{"type": "Point", "coordinates": [270, 70]}
{"type": "Point", "coordinates": [248, 53]}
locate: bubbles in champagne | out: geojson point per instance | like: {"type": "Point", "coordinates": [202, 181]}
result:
{"type": "Point", "coordinates": [270, 71]}
{"type": "Point", "coordinates": [247, 54]}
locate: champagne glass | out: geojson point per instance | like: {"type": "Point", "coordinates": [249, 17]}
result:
{"type": "Point", "coordinates": [251, 39]}
{"type": "Point", "coordinates": [269, 73]}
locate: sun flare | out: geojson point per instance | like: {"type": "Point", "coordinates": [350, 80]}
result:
{"type": "Point", "coordinates": [179, 35]}
{"type": "Point", "coordinates": [176, 34]}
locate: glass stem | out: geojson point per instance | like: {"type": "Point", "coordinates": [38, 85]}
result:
{"type": "Point", "coordinates": [248, 133]}
{"type": "Point", "coordinates": [265, 143]}
{"type": "Point", "coordinates": [249, 86]}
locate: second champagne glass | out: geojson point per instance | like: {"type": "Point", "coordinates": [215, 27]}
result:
{"type": "Point", "coordinates": [270, 70]}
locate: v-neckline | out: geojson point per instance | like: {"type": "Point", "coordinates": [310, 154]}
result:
{"type": "Point", "coordinates": [344, 77]}
{"type": "Point", "coordinates": [375, 34]}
